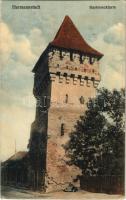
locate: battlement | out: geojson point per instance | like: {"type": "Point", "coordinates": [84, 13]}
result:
{"type": "Point", "coordinates": [67, 60]}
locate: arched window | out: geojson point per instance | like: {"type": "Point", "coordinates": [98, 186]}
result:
{"type": "Point", "coordinates": [62, 129]}
{"type": "Point", "coordinates": [82, 100]}
{"type": "Point", "coordinates": [66, 98]}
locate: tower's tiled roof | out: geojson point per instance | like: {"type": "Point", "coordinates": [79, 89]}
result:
{"type": "Point", "coordinates": [69, 37]}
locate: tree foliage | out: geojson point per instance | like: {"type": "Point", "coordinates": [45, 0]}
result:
{"type": "Point", "coordinates": [97, 144]}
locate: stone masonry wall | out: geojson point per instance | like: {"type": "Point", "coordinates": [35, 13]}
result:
{"type": "Point", "coordinates": [71, 80]}
{"type": "Point", "coordinates": [76, 62]}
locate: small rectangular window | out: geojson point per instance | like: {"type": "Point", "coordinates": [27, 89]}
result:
{"type": "Point", "coordinates": [62, 129]}
{"type": "Point", "coordinates": [71, 56]}
{"type": "Point", "coordinates": [61, 56]}
{"type": "Point", "coordinates": [66, 98]}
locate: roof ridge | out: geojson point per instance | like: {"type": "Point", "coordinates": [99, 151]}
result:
{"type": "Point", "coordinates": [67, 18]}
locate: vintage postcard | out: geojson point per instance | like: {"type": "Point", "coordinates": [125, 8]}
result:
{"type": "Point", "coordinates": [62, 98]}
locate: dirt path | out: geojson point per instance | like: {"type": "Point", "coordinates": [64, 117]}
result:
{"type": "Point", "coordinates": [13, 193]}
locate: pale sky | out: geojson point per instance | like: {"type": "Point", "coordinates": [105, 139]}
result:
{"type": "Point", "coordinates": [26, 33]}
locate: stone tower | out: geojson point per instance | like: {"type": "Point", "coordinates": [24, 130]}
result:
{"type": "Point", "coordinates": [65, 77]}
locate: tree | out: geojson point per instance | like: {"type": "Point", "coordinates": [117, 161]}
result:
{"type": "Point", "coordinates": [97, 144]}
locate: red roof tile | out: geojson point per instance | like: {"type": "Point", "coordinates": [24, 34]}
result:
{"type": "Point", "coordinates": [69, 37]}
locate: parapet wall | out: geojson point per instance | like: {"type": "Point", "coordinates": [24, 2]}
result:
{"type": "Point", "coordinates": [73, 61]}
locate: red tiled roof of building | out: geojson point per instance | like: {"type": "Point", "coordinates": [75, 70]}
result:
{"type": "Point", "coordinates": [69, 37]}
